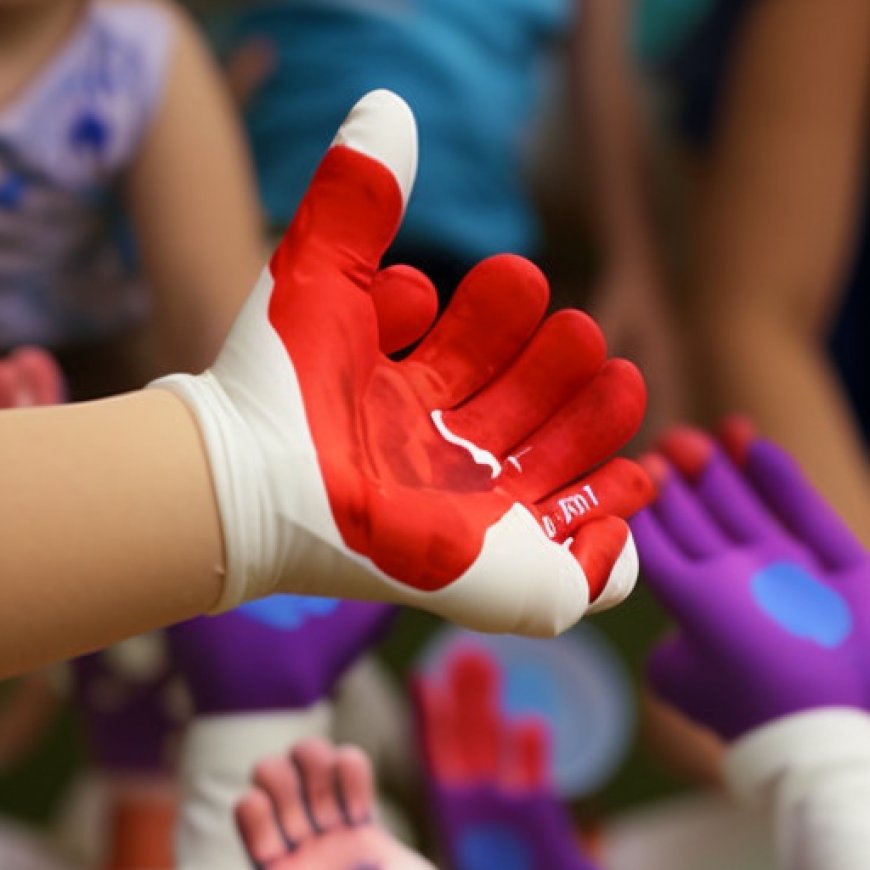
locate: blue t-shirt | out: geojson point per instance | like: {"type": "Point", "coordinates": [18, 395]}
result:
{"type": "Point", "coordinates": [473, 73]}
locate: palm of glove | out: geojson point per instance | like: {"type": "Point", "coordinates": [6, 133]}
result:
{"type": "Point", "coordinates": [284, 652]}
{"type": "Point", "coordinates": [460, 479]}
{"type": "Point", "coordinates": [421, 457]}
{"type": "Point", "coordinates": [771, 593]}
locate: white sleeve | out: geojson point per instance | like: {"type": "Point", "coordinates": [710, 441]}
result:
{"type": "Point", "coordinates": [811, 774]}
{"type": "Point", "coordinates": [217, 758]}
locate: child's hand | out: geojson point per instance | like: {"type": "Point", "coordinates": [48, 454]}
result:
{"type": "Point", "coordinates": [459, 480]}
{"type": "Point", "coordinates": [769, 589]}
{"type": "Point", "coordinates": [30, 376]}
{"type": "Point", "coordinates": [284, 652]}
{"type": "Point", "coordinates": [488, 785]}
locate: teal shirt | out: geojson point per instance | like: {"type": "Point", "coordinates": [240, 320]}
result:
{"type": "Point", "coordinates": [473, 72]}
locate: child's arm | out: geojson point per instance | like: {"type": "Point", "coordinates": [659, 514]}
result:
{"type": "Point", "coordinates": [776, 222]}
{"type": "Point", "coordinates": [629, 297]}
{"type": "Point", "coordinates": [193, 202]}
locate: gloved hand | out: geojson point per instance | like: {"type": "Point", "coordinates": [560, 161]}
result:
{"type": "Point", "coordinates": [260, 676]}
{"type": "Point", "coordinates": [453, 480]}
{"type": "Point", "coordinates": [487, 776]}
{"type": "Point", "coordinates": [127, 698]}
{"type": "Point", "coordinates": [281, 653]}
{"type": "Point", "coordinates": [769, 589]}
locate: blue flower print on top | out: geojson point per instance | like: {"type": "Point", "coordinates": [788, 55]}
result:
{"type": "Point", "coordinates": [89, 132]}
{"type": "Point", "coordinates": [12, 189]}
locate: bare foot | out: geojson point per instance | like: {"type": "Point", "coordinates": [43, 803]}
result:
{"type": "Point", "coordinates": [314, 810]}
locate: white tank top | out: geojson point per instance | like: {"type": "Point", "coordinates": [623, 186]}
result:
{"type": "Point", "coordinates": [66, 272]}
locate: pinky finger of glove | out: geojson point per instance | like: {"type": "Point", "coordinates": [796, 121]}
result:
{"type": "Point", "coordinates": [620, 487]}
{"type": "Point", "coordinates": [606, 553]}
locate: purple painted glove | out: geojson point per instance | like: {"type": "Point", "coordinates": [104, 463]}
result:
{"type": "Point", "coordinates": [769, 589]}
{"type": "Point", "coordinates": [280, 653]}
{"type": "Point", "coordinates": [131, 705]}
{"type": "Point", "coordinates": [487, 777]}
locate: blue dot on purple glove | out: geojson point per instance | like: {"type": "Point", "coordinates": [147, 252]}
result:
{"type": "Point", "coordinates": [801, 604]}
{"type": "Point", "coordinates": [288, 612]}
{"type": "Point", "coordinates": [486, 847]}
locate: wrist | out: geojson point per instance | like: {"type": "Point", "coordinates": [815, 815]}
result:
{"type": "Point", "coordinates": [236, 467]}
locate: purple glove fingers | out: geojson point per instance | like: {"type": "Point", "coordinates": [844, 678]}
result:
{"type": "Point", "coordinates": [674, 578]}
{"type": "Point", "coordinates": [737, 508]}
{"type": "Point", "coordinates": [806, 515]}
{"type": "Point", "coordinates": [685, 521]}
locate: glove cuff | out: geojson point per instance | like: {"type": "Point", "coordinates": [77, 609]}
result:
{"type": "Point", "coordinates": [800, 745]}
{"type": "Point", "coordinates": [217, 763]}
{"type": "Point", "coordinates": [238, 474]}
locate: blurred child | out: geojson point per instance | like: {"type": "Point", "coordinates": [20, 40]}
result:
{"type": "Point", "coordinates": [774, 108]}
{"type": "Point", "coordinates": [113, 107]}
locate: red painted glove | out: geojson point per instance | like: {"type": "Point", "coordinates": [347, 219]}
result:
{"type": "Point", "coordinates": [472, 478]}
{"type": "Point", "coordinates": [30, 375]}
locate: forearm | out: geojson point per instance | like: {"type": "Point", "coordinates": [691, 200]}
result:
{"type": "Point", "coordinates": [779, 376]}
{"type": "Point", "coordinates": [118, 533]}
{"type": "Point", "coordinates": [609, 106]}
{"type": "Point", "coordinates": [774, 230]}
{"type": "Point", "coordinates": [192, 197]}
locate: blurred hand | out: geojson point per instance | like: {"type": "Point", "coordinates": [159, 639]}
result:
{"type": "Point", "coordinates": [474, 478]}
{"type": "Point", "coordinates": [770, 591]}
{"type": "Point", "coordinates": [283, 653]}
{"type": "Point", "coordinates": [249, 67]}
{"type": "Point", "coordinates": [631, 307]}
{"type": "Point", "coordinates": [30, 376]}
{"type": "Point", "coordinates": [488, 776]}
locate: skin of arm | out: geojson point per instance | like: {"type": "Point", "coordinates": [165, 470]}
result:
{"type": "Point", "coordinates": [629, 297]}
{"type": "Point", "coordinates": [193, 202]}
{"type": "Point", "coordinates": [132, 537]}
{"type": "Point", "coordinates": [776, 219]}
